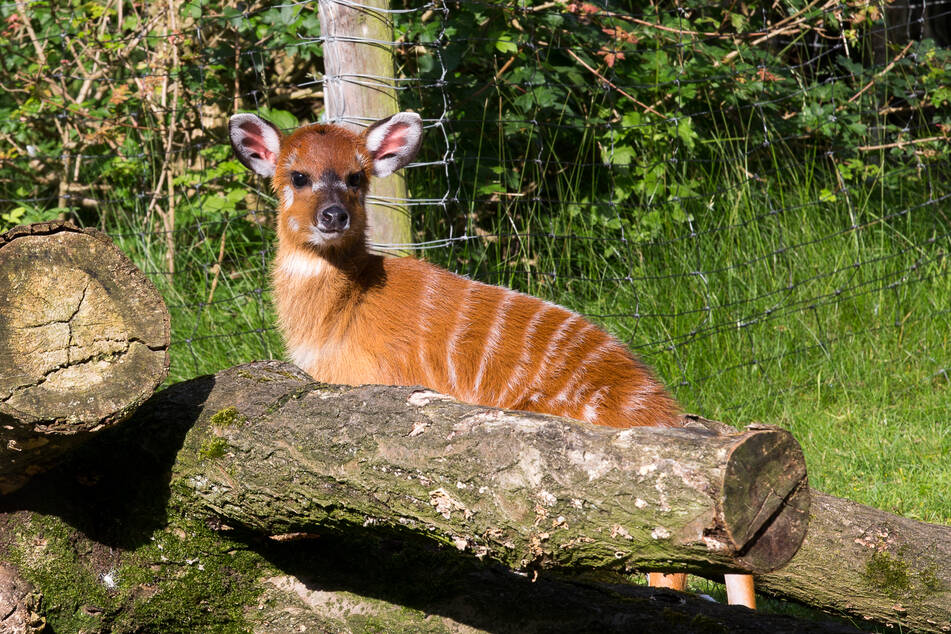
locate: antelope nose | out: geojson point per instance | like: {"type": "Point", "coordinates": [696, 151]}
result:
{"type": "Point", "coordinates": [333, 219]}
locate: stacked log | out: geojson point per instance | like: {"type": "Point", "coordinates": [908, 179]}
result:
{"type": "Point", "coordinates": [83, 342]}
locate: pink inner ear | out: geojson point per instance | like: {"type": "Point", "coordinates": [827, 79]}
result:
{"type": "Point", "coordinates": [254, 141]}
{"type": "Point", "coordinates": [394, 142]}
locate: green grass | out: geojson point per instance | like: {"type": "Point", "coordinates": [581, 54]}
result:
{"type": "Point", "coordinates": [218, 296]}
{"type": "Point", "coordinates": [795, 304]}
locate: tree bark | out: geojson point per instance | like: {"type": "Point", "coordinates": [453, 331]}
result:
{"type": "Point", "coordinates": [83, 341]}
{"type": "Point", "coordinates": [18, 604]}
{"type": "Point", "coordinates": [359, 89]}
{"type": "Point", "coordinates": [525, 490]}
{"type": "Point", "coordinates": [116, 539]}
{"type": "Point", "coordinates": [535, 492]}
{"type": "Point", "coordinates": [870, 564]}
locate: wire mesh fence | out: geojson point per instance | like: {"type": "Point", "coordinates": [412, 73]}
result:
{"type": "Point", "coordinates": [755, 199]}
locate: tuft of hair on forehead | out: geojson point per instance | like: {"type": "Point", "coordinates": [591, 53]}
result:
{"type": "Point", "coordinates": [322, 144]}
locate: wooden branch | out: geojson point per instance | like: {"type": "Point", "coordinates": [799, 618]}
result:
{"type": "Point", "coordinates": [900, 144]}
{"type": "Point", "coordinates": [83, 341]}
{"type": "Point", "coordinates": [878, 75]}
{"type": "Point", "coordinates": [604, 79]}
{"type": "Point", "coordinates": [279, 454]}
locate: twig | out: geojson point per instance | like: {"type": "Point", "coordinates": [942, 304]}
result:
{"type": "Point", "coordinates": [670, 29]}
{"type": "Point", "coordinates": [546, 5]}
{"type": "Point", "coordinates": [879, 74]}
{"type": "Point", "coordinates": [221, 257]}
{"type": "Point", "coordinates": [25, 16]}
{"type": "Point", "coordinates": [899, 144]}
{"type": "Point", "coordinates": [498, 74]}
{"type": "Point", "coordinates": [612, 85]}
{"type": "Point", "coordinates": [794, 21]}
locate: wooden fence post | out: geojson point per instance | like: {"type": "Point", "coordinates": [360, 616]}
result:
{"type": "Point", "coordinates": [359, 88]}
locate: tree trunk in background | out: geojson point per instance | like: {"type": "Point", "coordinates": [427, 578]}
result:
{"type": "Point", "coordinates": [359, 89]}
{"type": "Point", "coordinates": [870, 564]}
{"type": "Point", "coordinates": [83, 341]}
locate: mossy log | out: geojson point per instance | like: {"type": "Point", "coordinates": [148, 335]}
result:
{"type": "Point", "coordinates": [537, 492]}
{"type": "Point", "coordinates": [285, 455]}
{"type": "Point", "coordinates": [130, 535]}
{"type": "Point", "coordinates": [84, 340]}
{"type": "Point", "coordinates": [117, 540]}
{"type": "Point", "coordinates": [870, 564]}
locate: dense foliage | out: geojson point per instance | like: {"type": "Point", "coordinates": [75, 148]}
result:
{"type": "Point", "coordinates": [637, 107]}
{"type": "Point", "coordinates": [748, 195]}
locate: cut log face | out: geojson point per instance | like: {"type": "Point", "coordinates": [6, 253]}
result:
{"type": "Point", "coordinates": [765, 497]}
{"type": "Point", "coordinates": [83, 341]}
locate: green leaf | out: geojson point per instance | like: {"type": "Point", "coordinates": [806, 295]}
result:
{"type": "Point", "coordinates": [685, 132]}
{"type": "Point", "coordinates": [618, 155]}
{"type": "Point", "coordinates": [281, 118]}
{"type": "Point", "coordinates": [506, 45]}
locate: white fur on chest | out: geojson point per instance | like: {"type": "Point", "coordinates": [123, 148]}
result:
{"type": "Point", "coordinates": [299, 265]}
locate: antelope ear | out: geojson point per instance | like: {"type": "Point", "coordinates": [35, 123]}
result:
{"type": "Point", "coordinates": [256, 142]}
{"type": "Point", "coordinates": [393, 142]}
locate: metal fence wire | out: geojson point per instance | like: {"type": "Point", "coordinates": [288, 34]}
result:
{"type": "Point", "coordinates": [752, 198]}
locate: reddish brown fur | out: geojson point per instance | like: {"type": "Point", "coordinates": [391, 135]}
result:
{"type": "Point", "coordinates": [349, 316]}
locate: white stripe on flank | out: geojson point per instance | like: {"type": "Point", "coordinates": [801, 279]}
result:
{"type": "Point", "coordinates": [635, 398]}
{"type": "Point", "coordinates": [493, 339]}
{"type": "Point", "coordinates": [578, 369]}
{"type": "Point", "coordinates": [424, 314]}
{"type": "Point", "coordinates": [526, 358]}
{"type": "Point", "coordinates": [458, 329]}
{"type": "Point", "coordinates": [594, 403]}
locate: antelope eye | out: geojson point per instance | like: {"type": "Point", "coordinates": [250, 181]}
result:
{"type": "Point", "coordinates": [299, 180]}
{"type": "Point", "coordinates": [355, 179]}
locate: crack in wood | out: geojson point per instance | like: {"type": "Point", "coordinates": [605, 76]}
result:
{"type": "Point", "coordinates": [69, 322]}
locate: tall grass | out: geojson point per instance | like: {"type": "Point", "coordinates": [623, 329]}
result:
{"type": "Point", "coordinates": [785, 299]}
{"type": "Point", "coordinates": [217, 293]}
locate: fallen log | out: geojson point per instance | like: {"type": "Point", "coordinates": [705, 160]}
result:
{"type": "Point", "coordinates": [116, 539]}
{"type": "Point", "coordinates": [279, 454]}
{"type": "Point", "coordinates": [872, 565]}
{"type": "Point", "coordinates": [83, 341]}
{"type": "Point", "coordinates": [536, 492]}
{"type": "Point", "coordinates": [130, 515]}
